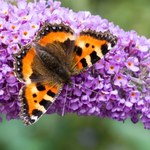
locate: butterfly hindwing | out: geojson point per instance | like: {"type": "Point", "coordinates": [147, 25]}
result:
{"type": "Point", "coordinates": [91, 46]}
{"type": "Point", "coordinates": [36, 98]}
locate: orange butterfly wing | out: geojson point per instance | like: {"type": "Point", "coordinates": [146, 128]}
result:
{"type": "Point", "coordinates": [36, 98]}
{"type": "Point", "coordinates": [91, 46]}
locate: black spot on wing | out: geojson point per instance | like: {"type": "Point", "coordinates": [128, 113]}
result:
{"type": "Point", "coordinates": [37, 112]}
{"type": "Point", "coordinates": [78, 50]}
{"type": "Point", "coordinates": [34, 95]}
{"type": "Point", "coordinates": [87, 45]}
{"type": "Point", "coordinates": [45, 103]}
{"type": "Point", "coordinates": [94, 57]}
{"type": "Point", "coordinates": [50, 93]}
{"type": "Point", "coordinates": [104, 49]}
{"type": "Point", "coordinates": [84, 63]}
{"type": "Point", "coordinates": [40, 87]}
{"type": "Point", "coordinates": [30, 121]}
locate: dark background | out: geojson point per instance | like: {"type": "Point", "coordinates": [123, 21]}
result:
{"type": "Point", "coordinates": [72, 132]}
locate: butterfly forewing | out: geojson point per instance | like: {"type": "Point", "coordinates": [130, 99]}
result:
{"type": "Point", "coordinates": [91, 46]}
{"type": "Point", "coordinates": [51, 33]}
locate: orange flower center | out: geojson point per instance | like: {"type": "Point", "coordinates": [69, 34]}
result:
{"type": "Point", "coordinates": [129, 63]}
{"type": "Point", "coordinates": [112, 67]}
{"type": "Point", "coordinates": [133, 94]}
{"type": "Point", "coordinates": [13, 27]}
{"type": "Point", "coordinates": [15, 36]}
{"type": "Point", "coordinates": [33, 26]}
{"type": "Point", "coordinates": [119, 77]}
{"type": "Point", "coordinates": [25, 33]}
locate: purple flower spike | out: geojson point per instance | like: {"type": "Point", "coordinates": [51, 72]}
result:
{"type": "Point", "coordinates": [117, 87]}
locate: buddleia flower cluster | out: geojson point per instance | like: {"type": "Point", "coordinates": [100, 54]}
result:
{"type": "Point", "coordinates": [117, 87]}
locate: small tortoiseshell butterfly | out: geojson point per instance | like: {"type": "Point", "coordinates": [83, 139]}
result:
{"type": "Point", "coordinates": [47, 63]}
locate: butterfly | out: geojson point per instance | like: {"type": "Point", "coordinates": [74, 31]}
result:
{"type": "Point", "coordinates": [49, 62]}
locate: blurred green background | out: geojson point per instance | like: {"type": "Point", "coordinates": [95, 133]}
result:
{"type": "Point", "coordinates": [53, 132]}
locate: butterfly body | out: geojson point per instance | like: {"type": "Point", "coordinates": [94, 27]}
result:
{"type": "Point", "coordinates": [53, 63]}
{"type": "Point", "coordinates": [49, 62]}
